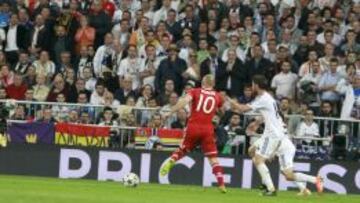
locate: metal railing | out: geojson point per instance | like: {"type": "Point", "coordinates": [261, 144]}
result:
{"type": "Point", "coordinates": [60, 111]}
{"type": "Point", "coordinates": [328, 126]}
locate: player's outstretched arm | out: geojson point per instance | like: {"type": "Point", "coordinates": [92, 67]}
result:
{"type": "Point", "coordinates": [241, 107]}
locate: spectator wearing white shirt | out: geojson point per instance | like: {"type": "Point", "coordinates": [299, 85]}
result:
{"type": "Point", "coordinates": [270, 53]}
{"type": "Point", "coordinates": [161, 14]}
{"type": "Point", "coordinates": [131, 66]}
{"type": "Point", "coordinates": [328, 36]}
{"type": "Point", "coordinates": [234, 44]}
{"type": "Point", "coordinates": [90, 81]}
{"type": "Point", "coordinates": [308, 128]}
{"type": "Point", "coordinates": [307, 67]}
{"type": "Point", "coordinates": [121, 31]}
{"type": "Point", "coordinates": [103, 55]}
{"type": "Point", "coordinates": [329, 54]}
{"type": "Point", "coordinates": [44, 65]}
{"type": "Point", "coordinates": [98, 96]}
{"type": "Point", "coordinates": [284, 82]}
{"type": "Point", "coordinates": [149, 65]}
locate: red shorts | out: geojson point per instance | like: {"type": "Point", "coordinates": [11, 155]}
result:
{"type": "Point", "coordinates": [200, 135]}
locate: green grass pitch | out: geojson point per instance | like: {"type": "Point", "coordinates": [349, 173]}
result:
{"type": "Point", "coordinates": [21, 189]}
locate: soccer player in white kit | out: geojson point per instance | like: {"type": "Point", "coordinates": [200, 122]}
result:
{"type": "Point", "coordinates": [274, 141]}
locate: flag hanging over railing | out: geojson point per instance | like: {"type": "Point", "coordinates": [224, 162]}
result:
{"type": "Point", "coordinates": [81, 135]}
{"type": "Point", "coordinates": [31, 133]}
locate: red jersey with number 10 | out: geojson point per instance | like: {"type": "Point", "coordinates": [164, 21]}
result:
{"type": "Point", "coordinates": [204, 105]}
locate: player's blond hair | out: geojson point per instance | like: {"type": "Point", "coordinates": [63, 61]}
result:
{"type": "Point", "coordinates": [208, 81]}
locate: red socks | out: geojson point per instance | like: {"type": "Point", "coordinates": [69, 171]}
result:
{"type": "Point", "coordinates": [178, 154]}
{"type": "Point", "coordinates": [219, 174]}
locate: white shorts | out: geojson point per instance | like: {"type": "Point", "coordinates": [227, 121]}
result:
{"type": "Point", "coordinates": [286, 154]}
{"type": "Point", "coordinates": [266, 146]}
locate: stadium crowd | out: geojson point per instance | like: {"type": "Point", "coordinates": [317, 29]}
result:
{"type": "Point", "coordinates": [147, 53]}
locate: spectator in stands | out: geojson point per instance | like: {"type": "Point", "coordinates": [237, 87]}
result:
{"type": "Point", "coordinates": [214, 65]}
{"type": "Point", "coordinates": [313, 44]}
{"type": "Point", "coordinates": [23, 63]}
{"type": "Point", "coordinates": [327, 127]}
{"type": "Point", "coordinates": [59, 87]}
{"type": "Point", "coordinates": [78, 87]}
{"type": "Point", "coordinates": [193, 70]}
{"type": "Point", "coordinates": [308, 128]}
{"type": "Point", "coordinates": [85, 35]}
{"type": "Point", "coordinates": [130, 66]}
{"type": "Point", "coordinates": [47, 116]}
{"type": "Point", "coordinates": [236, 74]}
{"type": "Point", "coordinates": [121, 32]}
{"type": "Point", "coordinates": [60, 112]}
{"type": "Point", "coordinates": [170, 68]}
{"type": "Point", "coordinates": [308, 85]}
{"type": "Point", "coordinates": [126, 90]}
{"type": "Point", "coordinates": [6, 76]}
{"type": "Point", "coordinates": [19, 113]}
{"type": "Point", "coordinates": [40, 37]}
{"type": "Point", "coordinates": [328, 81]}
{"type": "Point", "coordinates": [285, 106]}
{"type": "Point", "coordinates": [307, 67]}
{"type": "Point", "coordinates": [235, 134]}
{"type": "Point", "coordinates": [149, 65]}
{"type": "Point", "coordinates": [146, 93]}
{"type": "Point", "coordinates": [30, 76]}
{"type": "Point", "coordinates": [44, 65]}
{"type": "Point", "coordinates": [351, 105]}
{"type": "Point", "coordinates": [284, 83]}
{"type": "Point", "coordinates": [100, 21]}
{"type": "Point", "coordinates": [90, 81]}
{"type": "Point", "coordinates": [150, 39]}
{"type": "Point", "coordinates": [108, 118]}
{"type": "Point", "coordinates": [137, 37]}
{"type": "Point", "coordinates": [16, 39]}
{"type": "Point", "coordinates": [97, 97]}
{"type": "Point", "coordinates": [70, 76]}
{"type": "Point", "coordinates": [73, 117]}
{"type": "Point", "coordinates": [103, 56]}
{"type": "Point", "coordinates": [234, 45]}
{"type": "Point", "coordinates": [109, 99]}
{"type": "Point", "coordinates": [326, 59]}
{"type": "Point", "coordinates": [173, 99]}
{"type": "Point", "coordinates": [161, 14]}
{"type": "Point", "coordinates": [17, 89]}
{"type": "Point", "coordinates": [156, 121]}
{"type": "Point", "coordinates": [41, 91]}
{"type": "Point", "coordinates": [62, 43]}
{"type": "Point", "coordinates": [257, 64]}
{"type": "Point", "coordinates": [163, 97]}
{"type": "Point", "coordinates": [247, 95]}
{"type": "Point", "coordinates": [350, 42]}
{"type": "Point", "coordinates": [181, 119]}
{"type": "Point", "coordinates": [85, 118]}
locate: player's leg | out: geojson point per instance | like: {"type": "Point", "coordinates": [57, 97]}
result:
{"type": "Point", "coordinates": [188, 143]}
{"type": "Point", "coordinates": [263, 152]}
{"type": "Point", "coordinates": [208, 146]}
{"type": "Point", "coordinates": [218, 172]}
{"type": "Point", "coordinates": [286, 161]}
{"type": "Point", "coordinates": [251, 153]}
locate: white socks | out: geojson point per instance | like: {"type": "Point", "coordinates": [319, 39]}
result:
{"type": "Point", "coordinates": [265, 176]}
{"type": "Point", "coordinates": [304, 178]}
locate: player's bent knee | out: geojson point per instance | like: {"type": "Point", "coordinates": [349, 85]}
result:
{"type": "Point", "coordinates": [289, 175]}
{"type": "Point", "coordinates": [251, 151]}
{"type": "Point", "coordinates": [258, 160]}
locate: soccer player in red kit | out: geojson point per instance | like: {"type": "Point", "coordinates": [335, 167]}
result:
{"type": "Point", "coordinates": [199, 131]}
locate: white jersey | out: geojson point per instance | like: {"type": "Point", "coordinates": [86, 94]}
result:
{"type": "Point", "coordinates": [266, 105]}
